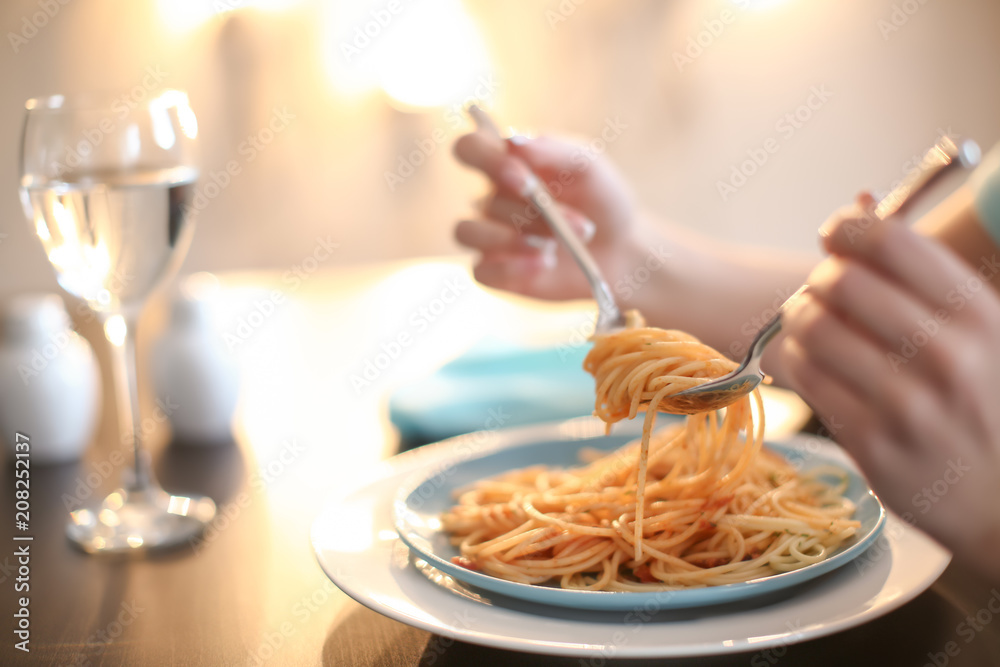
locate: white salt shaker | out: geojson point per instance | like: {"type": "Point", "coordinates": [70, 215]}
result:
{"type": "Point", "coordinates": [193, 370]}
{"type": "Point", "coordinates": [50, 383]}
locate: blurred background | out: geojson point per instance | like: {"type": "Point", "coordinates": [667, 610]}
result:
{"type": "Point", "coordinates": [339, 114]}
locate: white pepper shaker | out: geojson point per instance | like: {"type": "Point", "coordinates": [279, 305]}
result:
{"type": "Point", "coordinates": [193, 370]}
{"type": "Point", "coordinates": [50, 383]}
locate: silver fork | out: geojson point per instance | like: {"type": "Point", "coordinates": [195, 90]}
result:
{"type": "Point", "coordinates": [723, 391]}
{"type": "Point", "coordinates": [609, 315]}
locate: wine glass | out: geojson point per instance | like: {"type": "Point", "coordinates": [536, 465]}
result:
{"type": "Point", "coordinates": [107, 183]}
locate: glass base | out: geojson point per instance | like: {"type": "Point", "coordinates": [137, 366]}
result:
{"type": "Point", "coordinates": [140, 520]}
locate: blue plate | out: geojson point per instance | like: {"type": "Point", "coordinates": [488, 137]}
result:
{"type": "Point", "coordinates": [423, 499]}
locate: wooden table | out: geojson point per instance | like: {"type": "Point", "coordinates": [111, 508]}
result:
{"type": "Point", "coordinates": [252, 592]}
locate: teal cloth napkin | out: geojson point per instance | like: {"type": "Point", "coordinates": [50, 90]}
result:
{"type": "Point", "coordinates": [494, 385]}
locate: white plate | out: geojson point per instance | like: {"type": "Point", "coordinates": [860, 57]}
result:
{"type": "Point", "coordinates": [357, 546]}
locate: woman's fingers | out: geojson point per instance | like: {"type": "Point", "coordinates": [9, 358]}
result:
{"type": "Point", "coordinates": [899, 322]}
{"type": "Point", "coordinates": [514, 272]}
{"type": "Point", "coordinates": [498, 242]}
{"type": "Point", "coordinates": [862, 367]}
{"type": "Point", "coordinates": [880, 307]}
{"type": "Point", "coordinates": [550, 156]}
{"type": "Point", "coordinates": [488, 155]}
{"type": "Point", "coordinates": [830, 341]}
{"type": "Point", "coordinates": [917, 264]}
{"type": "Point", "coordinates": [519, 214]}
{"type": "Point", "coordinates": [485, 235]}
{"type": "Point", "coordinates": [911, 292]}
{"type": "Point", "coordinates": [847, 416]}
{"type": "Point", "coordinates": [526, 219]}
{"type": "Point", "coordinates": [508, 162]}
{"type": "Point", "coordinates": [511, 175]}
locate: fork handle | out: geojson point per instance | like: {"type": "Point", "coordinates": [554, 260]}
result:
{"type": "Point", "coordinates": [609, 315]}
{"type": "Point", "coordinates": [941, 158]}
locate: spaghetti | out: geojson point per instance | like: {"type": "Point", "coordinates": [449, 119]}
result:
{"type": "Point", "coordinates": [699, 503]}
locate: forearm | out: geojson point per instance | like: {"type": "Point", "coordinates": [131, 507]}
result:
{"type": "Point", "coordinates": [720, 293]}
{"type": "Point", "coordinates": [955, 223]}
{"type": "Point", "coordinates": [723, 294]}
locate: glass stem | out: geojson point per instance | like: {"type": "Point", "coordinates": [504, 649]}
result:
{"type": "Point", "coordinates": [123, 365]}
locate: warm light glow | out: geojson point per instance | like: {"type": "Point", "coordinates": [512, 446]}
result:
{"type": "Point", "coordinates": [64, 221]}
{"type": "Point", "coordinates": [114, 501]}
{"type": "Point", "coordinates": [758, 4]}
{"type": "Point", "coordinates": [185, 15]}
{"type": "Point", "coordinates": [187, 119]}
{"type": "Point", "coordinates": [436, 59]}
{"type": "Point", "coordinates": [42, 229]}
{"type": "Point", "coordinates": [108, 518]}
{"type": "Point", "coordinates": [200, 285]}
{"type": "Point", "coordinates": [94, 269]}
{"type": "Point", "coordinates": [273, 5]}
{"type": "Point", "coordinates": [427, 54]}
{"type": "Point", "coordinates": [79, 265]}
{"type": "Point", "coordinates": [82, 517]}
{"type": "Point", "coordinates": [115, 330]}
{"type": "Point", "coordinates": [134, 541]}
{"type": "Point", "coordinates": [163, 131]}
{"type": "Point", "coordinates": [180, 505]}
{"type": "Point", "coordinates": [353, 531]}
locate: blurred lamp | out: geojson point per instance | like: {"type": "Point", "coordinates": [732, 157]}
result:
{"type": "Point", "coordinates": [422, 54]}
{"type": "Point", "coordinates": [758, 4]}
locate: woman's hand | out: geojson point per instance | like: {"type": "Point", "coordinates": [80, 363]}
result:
{"type": "Point", "coordinates": [896, 344]}
{"type": "Point", "coordinates": [676, 277]}
{"type": "Point", "coordinates": [517, 251]}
